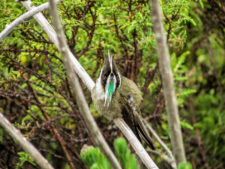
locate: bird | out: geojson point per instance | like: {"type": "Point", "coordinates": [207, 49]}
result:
{"type": "Point", "coordinates": [116, 96]}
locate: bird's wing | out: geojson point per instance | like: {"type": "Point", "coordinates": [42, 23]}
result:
{"type": "Point", "coordinates": [133, 119]}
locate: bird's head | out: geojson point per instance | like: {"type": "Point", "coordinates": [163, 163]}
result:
{"type": "Point", "coordinates": [110, 78]}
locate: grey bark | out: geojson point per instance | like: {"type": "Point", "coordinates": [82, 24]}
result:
{"type": "Point", "coordinates": [170, 158]}
{"type": "Point", "coordinates": [168, 83]}
{"type": "Point", "coordinates": [140, 151]}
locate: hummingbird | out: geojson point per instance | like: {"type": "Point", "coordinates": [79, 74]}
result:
{"type": "Point", "coordinates": [116, 96]}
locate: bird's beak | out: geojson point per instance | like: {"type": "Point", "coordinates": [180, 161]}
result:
{"type": "Point", "coordinates": [110, 89]}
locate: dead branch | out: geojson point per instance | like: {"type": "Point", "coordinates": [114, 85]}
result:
{"type": "Point", "coordinates": [168, 83]}
{"type": "Point", "coordinates": [140, 151]}
{"type": "Point", "coordinates": [52, 36]}
{"type": "Point", "coordinates": [22, 141]}
{"type": "Point", "coordinates": [22, 18]}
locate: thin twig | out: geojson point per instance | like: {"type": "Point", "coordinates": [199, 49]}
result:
{"type": "Point", "coordinates": [52, 36]}
{"type": "Point", "coordinates": [22, 141]}
{"type": "Point", "coordinates": [169, 159]}
{"type": "Point", "coordinates": [52, 128]}
{"type": "Point", "coordinates": [140, 151]}
{"type": "Point", "coordinates": [163, 156]}
{"type": "Point", "coordinates": [22, 18]}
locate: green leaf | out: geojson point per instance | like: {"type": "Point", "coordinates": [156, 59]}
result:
{"type": "Point", "coordinates": [89, 155]}
{"type": "Point", "coordinates": [185, 166]}
{"type": "Point", "coordinates": [94, 158]}
{"type": "Point", "coordinates": [95, 166]}
{"type": "Point", "coordinates": [1, 135]}
{"type": "Point", "coordinates": [181, 60]}
{"type": "Point", "coordinates": [186, 125]}
{"type": "Point", "coordinates": [26, 118]}
{"type": "Point", "coordinates": [201, 3]}
{"type": "Point", "coordinates": [120, 146]}
{"type": "Point", "coordinates": [127, 159]}
{"type": "Point", "coordinates": [186, 92]}
{"type": "Point", "coordinates": [24, 157]}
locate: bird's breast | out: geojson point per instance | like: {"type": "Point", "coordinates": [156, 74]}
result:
{"type": "Point", "coordinates": [111, 111]}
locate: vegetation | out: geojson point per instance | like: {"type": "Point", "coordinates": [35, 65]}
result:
{"type": "Point", "coordinates": [35, 94]}
{"type": "Point", "coordinates": [96, 160]}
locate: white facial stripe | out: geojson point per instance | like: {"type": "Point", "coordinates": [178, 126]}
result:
{"type": "Point", "coordinates": [110, 63]}
{"type": "Point", "coordinates": [119, 80]}
{"type": "Point", "coordinates": [101, 73]}
{"type": "Point", "coordinates": [106, 92]}
{"type": "Point", "coordinates": [110, 60]}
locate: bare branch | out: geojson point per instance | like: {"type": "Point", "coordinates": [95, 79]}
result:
{"type": "Point", "coordinates": [163, 156]}
{"type": "Point", "coordinates": [22, 141]}
{"type": "Point", "coordinates": [77, 91]}
{"type": "Point", "coordinates": [169, 159]}
{"type": "Point", "coordinates": [22, 18]}
{"type": "Point", "coordinates": [52, 35]}
{"type": "Point", "coordinates": [168, 84]}
{"type": "Point", "coordinates": [147, 127]}
{"type": "Point", "coordinates": [140, 151]}
{"type": "Point", "coordinates": [52, 128]}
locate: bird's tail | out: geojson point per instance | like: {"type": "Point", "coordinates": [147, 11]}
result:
{"type": "Point", "coordinates": [142, 131]}
{"type": "Point", "coordinates": [135, 122]}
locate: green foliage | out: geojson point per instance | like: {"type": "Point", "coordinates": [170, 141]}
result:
{"type": "Point", "coordinates": [24, 157]}
{"type": "Point", "coordinates": [179, 69]}
{"type": "Point", "coordinates": [211, 124]}
{"type": "Point", "coordinates": [185, 166]}
{"type": "Point", "coordinates": [1, 135]}
{"type": "Point", "coordinates": [186, 125]}
{"type": "Point", "coordinates": [96, 160]}
{"type": "Point", "coordinates": [127, 159]}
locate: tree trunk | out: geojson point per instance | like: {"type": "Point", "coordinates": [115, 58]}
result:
{"type": "Point", "coordinates": [168, 84]}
